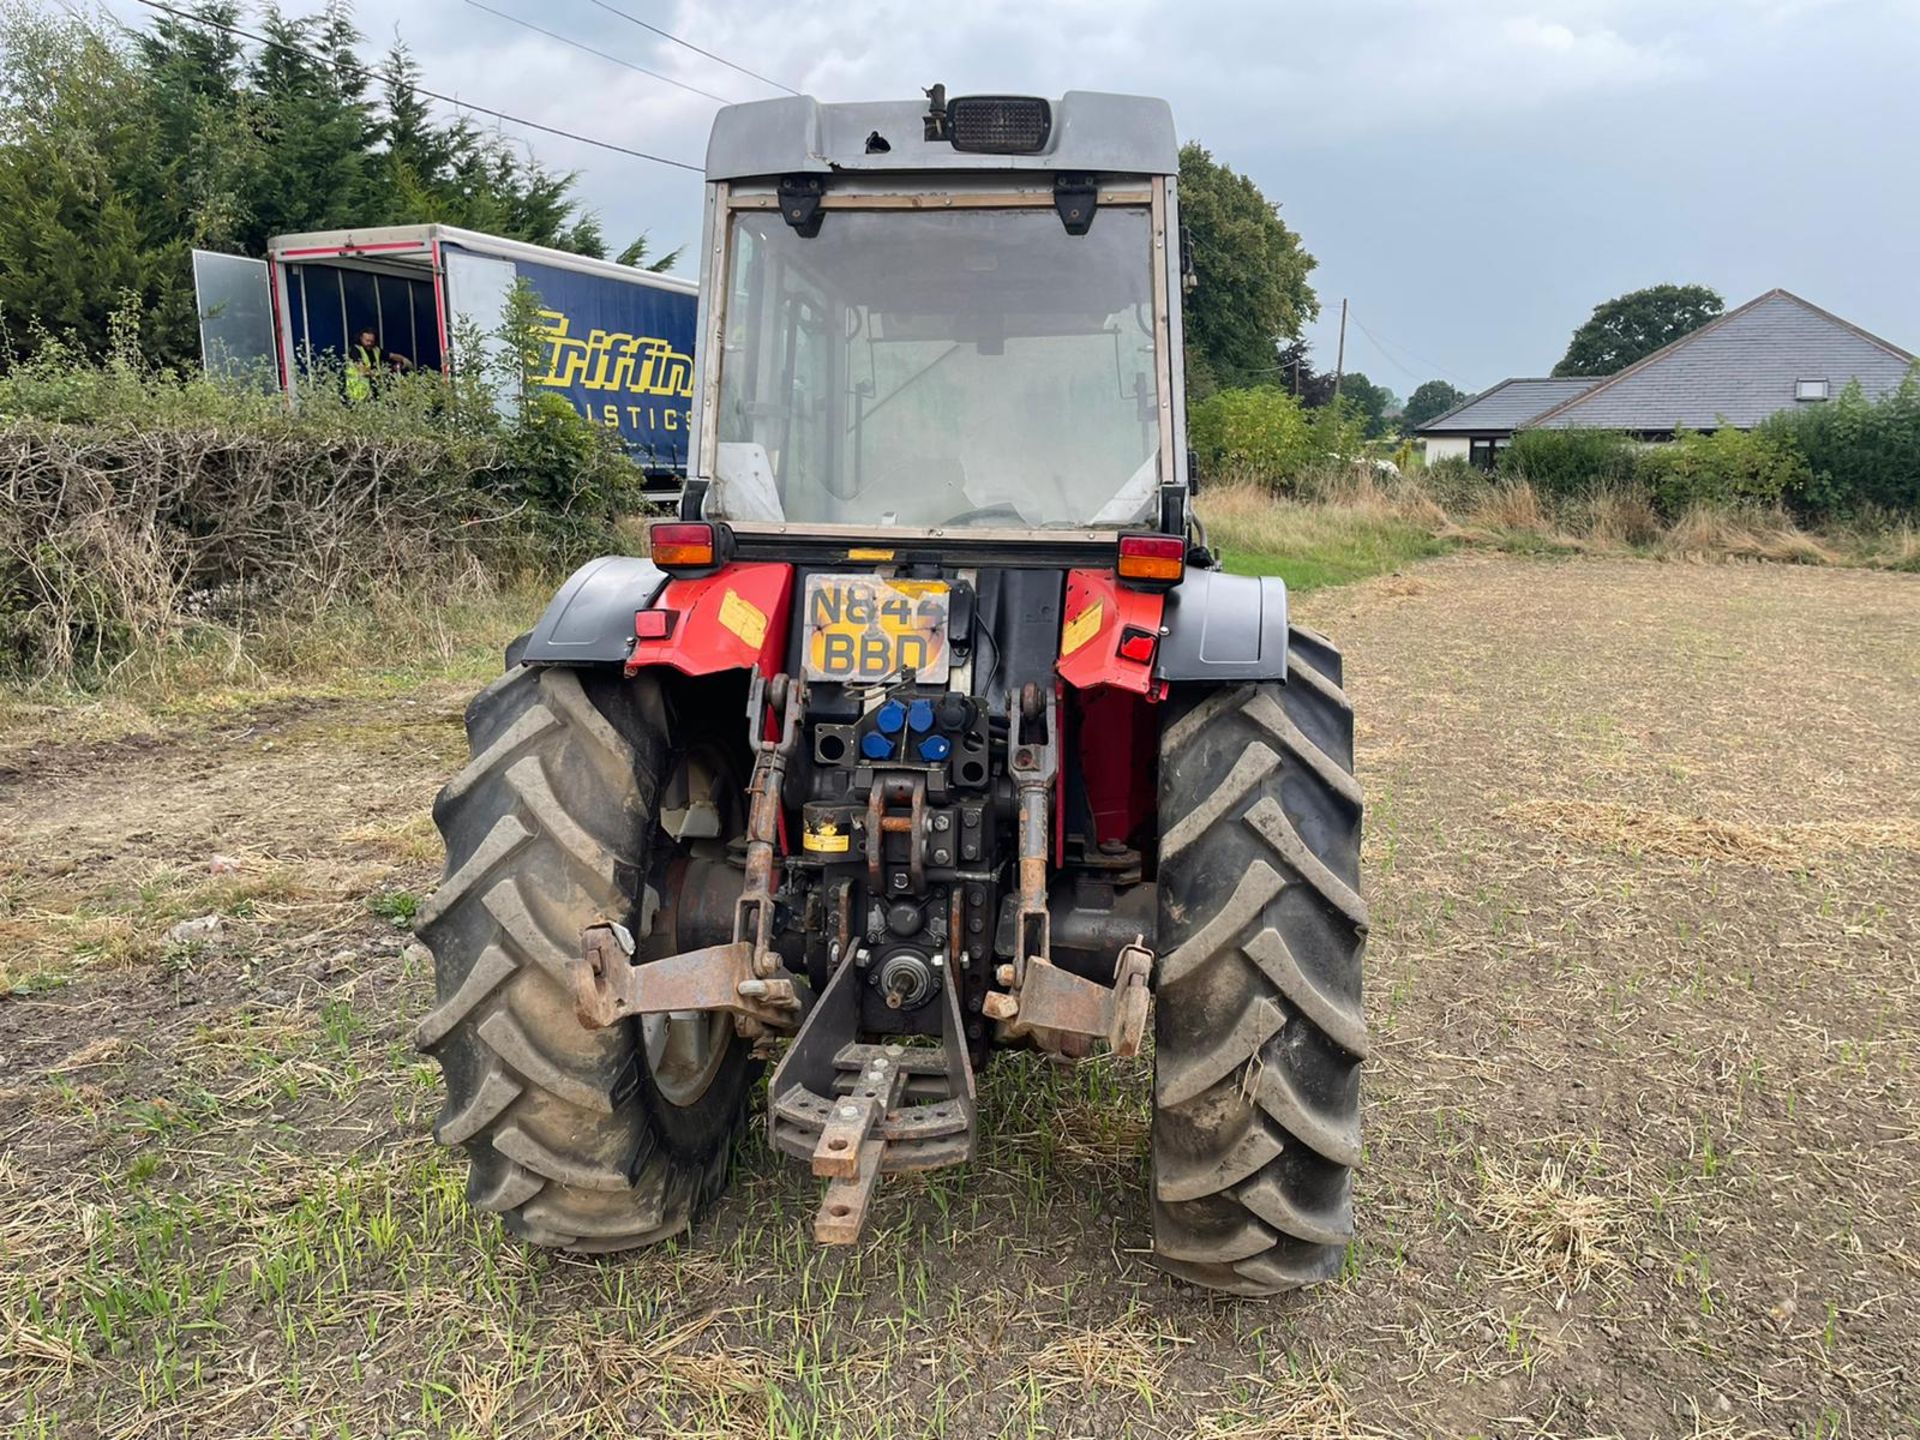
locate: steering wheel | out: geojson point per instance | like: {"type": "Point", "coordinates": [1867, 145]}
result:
{"type": "Point", "coordinates": [966, 517]}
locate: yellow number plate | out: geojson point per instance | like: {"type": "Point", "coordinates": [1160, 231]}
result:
{"type": "Point", "coordinates": [865, 630]}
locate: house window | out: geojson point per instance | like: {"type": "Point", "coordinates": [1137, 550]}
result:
{"type": "Point", "coordinates": [1483, 451]}
{"type": "Point", "coordinates": [1810, 390]}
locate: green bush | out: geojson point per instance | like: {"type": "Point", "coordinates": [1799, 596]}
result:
{"type": "Point", "coordinates": [571, 477]}
{"type": "Point", "coordinates": [1339, 432]}
{"type": "Point", "coordinates": [1264, 434]}
{"type": "Point", "coordinates": [1861, 455]}
{"type": "Point", "coordinates": [1563, 463]}
{"type": "Point", "coordinates": [1724, 467]}
{"type": "Point", "coordinates": [1260, 430]}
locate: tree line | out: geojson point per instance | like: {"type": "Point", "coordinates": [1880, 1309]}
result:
{"type": "Point", "coordinates": [1244, 318]}
{"type": "Point", "coordinates": [123, 151]}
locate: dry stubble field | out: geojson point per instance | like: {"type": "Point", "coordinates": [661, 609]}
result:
{"type": "Point", "coordinates": [1643, 1148]}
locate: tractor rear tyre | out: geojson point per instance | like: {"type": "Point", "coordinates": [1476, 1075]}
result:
{"type": "Point", "coordinates": [1258, 1030]}
{"type": "Point", "coordinates": [586, 1140]}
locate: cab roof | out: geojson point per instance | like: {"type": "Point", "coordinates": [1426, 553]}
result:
{"type": "Point", "coordinates": [1092, 132]}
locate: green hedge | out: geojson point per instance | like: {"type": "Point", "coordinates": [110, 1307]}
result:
{"type": "Point", "coordinates": [138, 504]}
{"type": "Point", "coordinates": [1569, 462]}
{"type": "Point", "coordinates": [1723, 467]}
{"type": "Point", "coordinates": [1849, 458]}
{"type": "Point", "coordinates": [1862, 455]}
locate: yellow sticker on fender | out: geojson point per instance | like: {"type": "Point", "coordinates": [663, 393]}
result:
{"type": "Point", "coordinates": [744, 619]}
{"type": "Point", "coordinates": [825, 837]}
{"type": "Point", "coordinates": [1082, 628]}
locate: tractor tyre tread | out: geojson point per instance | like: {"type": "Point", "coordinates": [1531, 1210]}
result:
{"type": "Point", "coordinates": [1259, 1030]}
{"type": "Point", "coordinates": [546, 830]}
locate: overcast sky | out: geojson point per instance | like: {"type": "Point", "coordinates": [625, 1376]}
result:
{"type": "Point", "coordinates": [1474, 175]}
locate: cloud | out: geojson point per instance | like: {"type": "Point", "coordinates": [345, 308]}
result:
{"type": "Point", "coordinates": [1476, 173]}
{"type": "Point", "coordinates": [1317, 70]}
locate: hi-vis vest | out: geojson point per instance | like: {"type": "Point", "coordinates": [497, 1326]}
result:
{"type": "Point", "coordinates": [360, 373]}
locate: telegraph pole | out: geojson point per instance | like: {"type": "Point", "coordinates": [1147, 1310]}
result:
{"type": "Point", "coordinates": [1340, 358]}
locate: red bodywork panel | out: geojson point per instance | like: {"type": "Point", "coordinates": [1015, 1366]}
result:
{"type": "Point", "coordinates": [735, 619]}
{"type": "Point", "coordinates": [1118, 737]}
{"type": "Point", "coordinates": [1099, 609]}
{"type": "Point", "coordinates": [1116, 727]}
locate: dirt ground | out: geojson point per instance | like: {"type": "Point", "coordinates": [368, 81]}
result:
{"type": "Point", "coordinates": [1643, 1148]}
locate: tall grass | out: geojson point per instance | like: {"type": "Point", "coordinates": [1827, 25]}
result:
{"type": "Point", "coordinates": [1344, 523]}
{"type": "Point", "coordinates": [1350, 527]}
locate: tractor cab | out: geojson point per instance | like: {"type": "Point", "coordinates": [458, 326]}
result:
{"type": "Point", "coordinates": [942, 321]}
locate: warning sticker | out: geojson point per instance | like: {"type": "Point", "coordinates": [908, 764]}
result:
{"type": "Point", "coordinates": [1082, 628]}
{"type": "Point", "coordinates": [744, 618]}
{"type": "Point", "coordinates": [825, 836]}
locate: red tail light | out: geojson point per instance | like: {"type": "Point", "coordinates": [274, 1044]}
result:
{"type": "Point", "coordinates": [652, 624]}
{"type": "Point", "coordinates": [679, 545]}
{"type": "Point", "coordinates": [1154, 559]}
{"type": "Point", "coordinates": [1137, 644]}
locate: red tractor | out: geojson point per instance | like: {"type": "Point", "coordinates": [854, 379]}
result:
{"type": "Point", "coordinates": [929, 726]}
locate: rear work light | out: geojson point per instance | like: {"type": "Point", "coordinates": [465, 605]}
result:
{"type": "Point", "coordinates": [999, 124]}
{"type": "Point", "coordinates": [1152, 559]}
{"type": "Point", "coordinates": [678, 545]}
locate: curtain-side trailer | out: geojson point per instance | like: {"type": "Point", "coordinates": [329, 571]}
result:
{"type": "Point", "coordinates": [616, 343]}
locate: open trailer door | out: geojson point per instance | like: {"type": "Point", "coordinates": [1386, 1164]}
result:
{"type": "Point", "coordinates": [236, 319]}
{"type": "Point", "coordinates": [479, 292]}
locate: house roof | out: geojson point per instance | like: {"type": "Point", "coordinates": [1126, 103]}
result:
{"type": "Point", "coordinates": [1507, 405]}
{"type": "Point", "coordinates": [1736, 369]}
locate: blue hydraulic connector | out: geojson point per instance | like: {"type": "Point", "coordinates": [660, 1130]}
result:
{"type": "Point", "coordinates": [935, 748]}
{"type": "Point", "coordinates": [876, 746]}
{"type": "Point", "coordinates": [920, 716]}
{"type": "Point", "coordinates": [890, 717]}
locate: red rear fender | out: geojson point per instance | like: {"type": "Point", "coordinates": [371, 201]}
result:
{"type": "Point", "coordinates": [734, 619]}
{"type": "Point", "coordinates": [1102, 616]}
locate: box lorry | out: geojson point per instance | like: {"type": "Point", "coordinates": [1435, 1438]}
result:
{"type": "Point", "coordinates": [616, 342]}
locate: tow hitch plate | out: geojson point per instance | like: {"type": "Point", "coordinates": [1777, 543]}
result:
{"type": "Point", "coordinates": [857, 1111]}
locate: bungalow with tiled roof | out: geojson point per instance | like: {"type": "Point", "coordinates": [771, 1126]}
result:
{"type": "Point", "coordinates": [1771, 354]}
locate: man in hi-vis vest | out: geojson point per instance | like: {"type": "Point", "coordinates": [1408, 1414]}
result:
{"type": "Point", "coordinates": [366, 363]}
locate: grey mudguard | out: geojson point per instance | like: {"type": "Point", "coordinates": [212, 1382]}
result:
{"type": "Point", "coordinates": [590, 621]}
{"type": "Point", "coordinates": [1224, 628]}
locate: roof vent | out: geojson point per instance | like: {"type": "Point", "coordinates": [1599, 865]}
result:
{"type": "Point", "coordinates": [999, 124]}
{"type": "Point", "coordinates": [1810, 390]}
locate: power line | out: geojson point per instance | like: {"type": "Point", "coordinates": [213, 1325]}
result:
{"type": "Point", "coordinates": [689, 45]}
{"type": "Point", "coordinates": [365, 74]}
{"type": "Point", "coordinates": [614, 59]}
{"type": "Point", "coordinates": [1381, 346]}
{"type": "Point", "coordinates": [1383, 352]}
